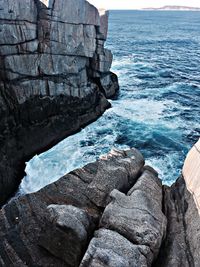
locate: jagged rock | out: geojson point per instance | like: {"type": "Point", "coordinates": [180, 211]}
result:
{"type": "Point", "coordinates": [145, 225]}
{"type": "Point", "coordinates": [32, 227]}
{"type": "Point", "coordinates": [181, 247]}
{"type": "Point", "coordinates": [51, 53]}
{"type": "Point", "coordinates": [77, 12]}
{"type": "Point", "coordinates": [67, 233]}
{"type": "Point", "coordinates": [103, 31]}
{"type": "Point", "coordinates": [118, 170]}
{"type": "Point", "coordinates": [108, 248]}
{"type": "Point", "coordinates": [102, 62]}
{"type": "Point", "coordinates": [175, 253]}
{"type": "Point", "coordinates": [138, 216]}
{"type": "Point", "coordinates": [109, 84]}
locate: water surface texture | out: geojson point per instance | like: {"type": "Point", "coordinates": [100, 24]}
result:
{"type": "Point", "coordinates": [157, 60]}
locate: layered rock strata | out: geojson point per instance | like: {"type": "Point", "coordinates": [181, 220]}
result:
{"type": "Point", "coordinates": [113, 212]}
{"type": "Point", "coordinates": [54, 77]}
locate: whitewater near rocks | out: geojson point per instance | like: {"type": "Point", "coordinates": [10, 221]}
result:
{"type": "Point", "coordinates": [112, 212]}
{"type": "Point", "coordinates": [156, 57]}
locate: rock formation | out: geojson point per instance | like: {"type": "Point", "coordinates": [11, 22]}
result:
{"type": "Point", "coordinates": [181, 206]}
{"type": "Point", "coordinates": [54, 77]}
{"type": "Point", "coordinates": [113, 212]}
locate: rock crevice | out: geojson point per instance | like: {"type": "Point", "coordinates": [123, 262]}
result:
{"type": "Point", "coordinates": [113, 212]}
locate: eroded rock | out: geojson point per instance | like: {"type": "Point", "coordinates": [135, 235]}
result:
{"type": "Point", "coordinates": [51, 53]}
{"type": "Point", "coordinates": [108, 248]}
{"type": "Point", "coordinates": [119, 170]}
{"type": "Point", "coordinates": [67, 233]}
{"type": "Point", "coordinates": [138, 215]}
{"type": "Point", "coordinates": [53, 226]}
{"type": "Point", "coordinates": [64, 225]}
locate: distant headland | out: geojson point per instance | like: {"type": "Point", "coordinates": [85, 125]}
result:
{"type": "Point", "coordinates": [174, 8]}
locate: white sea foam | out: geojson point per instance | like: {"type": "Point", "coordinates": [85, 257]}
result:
{"type": "Point", "coordinates": [156, 111]}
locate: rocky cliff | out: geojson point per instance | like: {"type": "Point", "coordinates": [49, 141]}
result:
{"type": "Point", "coordinates": [113, 212]}
{"type": "Point", "coordinates": [54, 77]}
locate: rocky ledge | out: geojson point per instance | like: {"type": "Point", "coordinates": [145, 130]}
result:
{"type": "Point", "coordinates": [111, 213]}
{"type": "Point", "coordinates": [54, 77]}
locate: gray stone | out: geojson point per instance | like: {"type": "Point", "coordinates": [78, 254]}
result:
{"type": "Point", "coordinates": [77, 12]}
{"type": "Point", "coordinates": [181, 245]}
{"type": "Point", "coordinates": [53, 227]}
{"type": "Point", "coordinates": [103, 29]}
{"type": "Point", "coordinates": [67, 233]}
{"type": "Point", "coordinates": [17, 33]}
{"type": "Point", "coordinates": [119, 170]}
{"type": "Point", "coordinates": [47, 87]}
{"type": "Point", "coordinates": [109, 83]}
{"type": "Point", "coordinates": [110, 249]}
{"type": "Point", "coordinates": [138, 216]}
{"type": "Point", "coordinates": [70, 39]}
{"type": "Point", "coordinates": [18, 10]}
{"type": "Point", "coordinates": [102, 62]}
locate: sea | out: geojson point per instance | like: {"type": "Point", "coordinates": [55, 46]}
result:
{"type": "Point", "coordinates": [157, 60]}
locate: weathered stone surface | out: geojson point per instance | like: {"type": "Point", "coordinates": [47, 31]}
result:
{"type": "Point", "coordinates": [108, 248]}
{"type": "Point", "coordinates": [102, 62]}
{"type": "Point", "coordinates": [182, 243]}
{"type": "Point", "coordinates": [138, 216]}
{"type": "Point", "coordinates": [38, 233]}
{"type": "Point", "coordinates": [61, 225]}
{"type": "Point", "coordinates": [48, 87]}
{"type": "Point", "coordinates": [20, 32]}
{"type": "Point", "coordinates": [67, 233]}
{"type": "Point", "coordinates": [77, 12]}
{"type": "Point", "coordinates": [109, 83]}
{"type": "Point", "coordinates": [103, 29]}
{"type": "Point", "coordinates": [119, 170]}
{"type": "Point", "coordinates": [191, 173]}
{"type": "Point", "coordinates": [18, 10]}
{"type": "Point", "coordinates": [175, 250]}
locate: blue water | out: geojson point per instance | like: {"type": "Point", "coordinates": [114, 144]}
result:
{"type": "Point", "coordinates": [157, 60]}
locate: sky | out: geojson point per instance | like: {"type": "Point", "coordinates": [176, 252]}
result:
{"type": "Point", "coordinates": [135, 4]}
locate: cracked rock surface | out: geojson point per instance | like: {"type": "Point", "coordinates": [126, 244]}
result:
{"type": "Point", "coordinates": [135, 222]}
{"type": "Point", "coordinates": [54, 77]}
{"type": "Point", "coordinates": [54, 226]}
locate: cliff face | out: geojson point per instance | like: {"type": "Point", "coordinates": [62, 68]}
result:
{"type": "Point", "coordinates": [54, 77]}
{"type": "Point", "coordinates": [113, 212]}
{"type": "Point", "coordinates": [181, 206]}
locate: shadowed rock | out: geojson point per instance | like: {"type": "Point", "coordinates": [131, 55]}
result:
{"type": "Point", "coordinates": [54, 78]}
{"type": "Point", "coordinates": [67, 233]}
{"type": "Point", "coordinates": [53, 226]}
{"type": "Point", "coordinates": [181, 246]}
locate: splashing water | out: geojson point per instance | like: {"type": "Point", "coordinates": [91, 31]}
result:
{"type": "Point", "coordinates": [157, 59]}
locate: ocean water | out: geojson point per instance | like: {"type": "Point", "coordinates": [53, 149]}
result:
{"type": "Point", "coordinates": [157, 60]}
